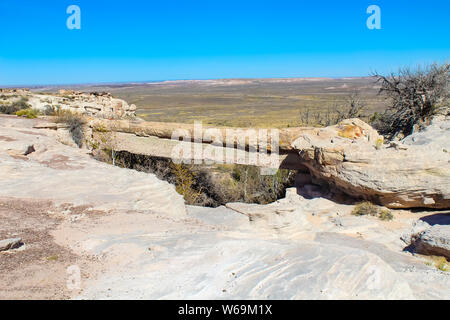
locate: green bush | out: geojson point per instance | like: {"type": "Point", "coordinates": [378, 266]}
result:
{"type": "Point", "coordinates": [379, 143]}
{"type": "Point", "coordinates": [28, 113]}
{"type": "Point", "coordinates": [439, 262]}
{"type": "Point", "coordinates": [443, 265]}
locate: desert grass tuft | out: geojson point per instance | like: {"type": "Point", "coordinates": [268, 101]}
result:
{"type": "Point", "coordinates": [368, 208]}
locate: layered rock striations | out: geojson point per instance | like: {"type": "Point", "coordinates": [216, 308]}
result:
{"type": "Point", "coordinates": [352, 157]}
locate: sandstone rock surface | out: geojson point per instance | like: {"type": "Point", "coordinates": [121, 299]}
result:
{"type": "Point", "coordinates": [65, 174]}
{"type": "Point", "coordinates": [152, 246]}
{"type": "Point", "coordinates": [430, 235]}
{"type": "Point", "coordinates": [220, 255]}
{"type": "Point", "coordinates": [434, 241]}
{"type": "Point", "coordinates": [96, 104]}
{"type": "Point", "coordinates": [224, 268]}
{"type": "Point", "coordinates": [350, 157]}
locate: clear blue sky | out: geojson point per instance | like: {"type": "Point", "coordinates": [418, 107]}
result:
{"type": "Point", "coordinates": [135, 40]}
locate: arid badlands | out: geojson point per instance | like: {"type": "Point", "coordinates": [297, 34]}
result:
{"type": "Point", "coordinates": [131, 235]}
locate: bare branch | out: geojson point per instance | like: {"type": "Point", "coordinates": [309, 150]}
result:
{"type": "Point", "coordinates": [414, 96]}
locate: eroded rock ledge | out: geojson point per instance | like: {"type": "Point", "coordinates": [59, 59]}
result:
{"type": "Point", "coordinates": [351, 157]}
{"type": "Point", "coordinates": [97, 104]}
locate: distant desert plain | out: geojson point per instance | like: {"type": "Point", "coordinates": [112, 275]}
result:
{"type": "Point", "coordinates": [288, 102]}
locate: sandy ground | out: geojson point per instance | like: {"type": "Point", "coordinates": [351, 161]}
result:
{"type": "Point", "coordinates": [38, 269]}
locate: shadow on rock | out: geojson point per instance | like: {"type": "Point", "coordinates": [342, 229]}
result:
{"type": "Point", "coordinates": [439, 218]}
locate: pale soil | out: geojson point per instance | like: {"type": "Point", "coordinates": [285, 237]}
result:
{"type": "Point", "coordinates": [36, 270]}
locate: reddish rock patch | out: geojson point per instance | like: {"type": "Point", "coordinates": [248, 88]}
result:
{"type": "Point", "coordinates": [60, 162]}
{"type": "Point", "coordinates": [33, 133]}
{"type": "Point", "coordinates": [7, 139]}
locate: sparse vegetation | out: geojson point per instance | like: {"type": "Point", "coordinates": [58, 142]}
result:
{"type": "Point", "coordinates": [103, 139]}
{"type": "Point", "coordinates": [440, 263]}
{"type": "Point", "coordinates": [385, 215]}
{"type": "Point", "coordinates": [185, 180]}
{"type": "Point", "coordinates": [443, 266]}
{"type": "Point", "coordinates": [210, 185]}
{"type": "Point", "coordinates": [8, 109]}
{"type": "Point", "coordinates": [351, 107]}
{"type": "Point", "coordinates": [100, 129]}
{"type": "Point", "coordinates": [256, 188]}
{"type": "Point", "coordinates": [28, 113]}
{"type": "Point", "coordinates": [379, 143]}
{"type": "Point", "coordinates": [52, 258]}
{"type": "Point", "coordinates": [74, 123]}
{"type": "Point", "coordinates": [368, 208]}
{"type": "Point", "coordinates": [15, 106]}
{"type": "Point", "coordinates": [22, 103]}
{"type": "Point", "coordinates": [414, 96]}
{"type": "Point", "coordinates": [250, 103]}
{"type": "Point", "coordinates": [49, 110]}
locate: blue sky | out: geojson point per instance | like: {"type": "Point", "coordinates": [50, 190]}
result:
{"type": "Point", "coordinates": [159, 40]}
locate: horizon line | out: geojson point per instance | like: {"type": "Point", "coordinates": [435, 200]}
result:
{"type": "Point", "coordinates": [35, 86]}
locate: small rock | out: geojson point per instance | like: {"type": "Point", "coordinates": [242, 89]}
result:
{"type": "Point", "coordinates": [12, 243]}
{"type": "Point", "coordinates": [434, 241]}
{"type": "Point", "coordinates": [76, 217]}
{"type": "Point", "coordinates": [337, 222]}
{"type": "Point", "coordinates": [30, 149]}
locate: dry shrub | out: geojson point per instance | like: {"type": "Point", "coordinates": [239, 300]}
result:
{"type": "Point", "coordinates": [368, 208]}
{"type": "Point", "coordinates": [8, 109]}
{"type": "Point", "coordinates": [352, 107]}
{"type": "Point", "coordinates": [15, 106]}
{"type": "Point", "coordinates": [256, 188]}
{"type": "Point", "coordinates": [415, 95]}
{"type": "Point", "coordinates": [212, 185]}
{"type": "Point", "coordinates": [185, 181]}
{"type": "Point", "coordinates": [74, 122]}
